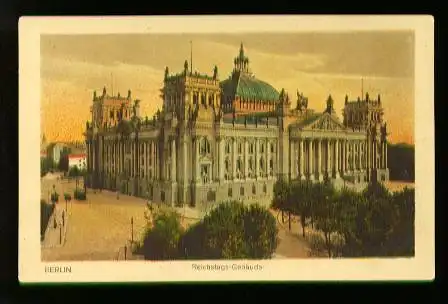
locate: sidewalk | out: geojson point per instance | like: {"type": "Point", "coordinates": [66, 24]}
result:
{"type": "Point", "coordinates": [55, 236]}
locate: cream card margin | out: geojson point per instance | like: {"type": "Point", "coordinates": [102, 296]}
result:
{"type": "Point", "coordinates": [31, 269]}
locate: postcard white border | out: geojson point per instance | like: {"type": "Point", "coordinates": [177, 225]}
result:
{"type": "Point", "coordinates": [32, 269]}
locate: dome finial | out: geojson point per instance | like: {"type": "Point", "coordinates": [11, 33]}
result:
{"type": "Point", "coordinates": [241, 50]}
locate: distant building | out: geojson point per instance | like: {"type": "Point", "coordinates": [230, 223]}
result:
{"type": "Point", "coordinates": [215, 141]}
{"type": "Point", "coordinates": [54, 151]}
{"type": "Point", "coordinates": [79, 160]}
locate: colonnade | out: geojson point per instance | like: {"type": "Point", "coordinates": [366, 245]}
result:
{"type": "Point", "coordinates": [121, 156]}
{"type": "Point", "coordinates": [310, 158]}
{"type": "Point", "coordinates": [318, 158]}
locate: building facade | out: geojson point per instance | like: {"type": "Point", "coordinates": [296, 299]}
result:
{"type": "Point", "coordinates": [54, 151]}
{"type": "Point", "coordinates": [214, 141]}
{"type": "Point", "coordinates": [77, 160]}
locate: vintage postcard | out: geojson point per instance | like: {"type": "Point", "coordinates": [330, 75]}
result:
{"type": "Point", "coordinates": [226, 148]}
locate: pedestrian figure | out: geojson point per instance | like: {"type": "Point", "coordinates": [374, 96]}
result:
{"type": "Point", "coordinates": [55, 223]}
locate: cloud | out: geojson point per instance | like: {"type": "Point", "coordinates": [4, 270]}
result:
{"type": "Point", "coordinates": [70, 75]}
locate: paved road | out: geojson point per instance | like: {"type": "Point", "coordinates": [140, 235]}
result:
{"type": "Point", "coordinates": [292, 244]}
{"type": "Point", "coordinates": [99, 227]}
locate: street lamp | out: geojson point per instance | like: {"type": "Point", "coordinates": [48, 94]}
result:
{"type": "Point", "coordinates": [132, 230]}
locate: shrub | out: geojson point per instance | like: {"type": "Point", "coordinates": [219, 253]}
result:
{"type": "Point", "coordinates": [161, 240]}
{"type": "Point", "coordinates": [79, 195]}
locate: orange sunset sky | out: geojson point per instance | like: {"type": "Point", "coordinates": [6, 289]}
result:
{"type": "Point", "coordinates": [317, 64]}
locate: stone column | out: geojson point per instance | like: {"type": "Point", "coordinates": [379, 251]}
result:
{"type": "Point", "coordinates": [336, 158]}
{"type": "Point", "coordinates": [302, 159]}
{"type": "Point", "coordinates": [221, 158]}
{"type": "Point", "coordinates": [328, 166]}
{"type": "Point", "coordinates": [234, 157]}
{"type": "Point", "coordinates": [268, 157]}
{"type": "Point", "coordinates": [385, 154]}
{"type": "Point", "coordinates": [196, 170]}
{"type": "Point", "coordinates": [156, 158]}
{"type": "Point", "coordinates": [319, 159]}
{"type": "Point", "coordinates": [257, 157]}
{"type": "Point", "coordinates": [184, 176]}
{"type": "Point", "coordinates": [246, 158]}
{"type": "Point", "coordinates": [363, 154]}
{"type": "Point", "coordinates": [311, 156]}
{"type": "Point", "coordinates": [342, 156]}
{"type": "Point", "coordinates": [373, 155]}
{"type": "Point", "coordinates": [360, 155]}
{"type": "Point", "coordinates": [291, 159]}
{"type": "Point", "coordinates": [347, 154]}
{"type": "Point", "coordinates": [353, 156]}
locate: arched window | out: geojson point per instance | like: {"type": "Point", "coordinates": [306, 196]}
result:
{"type": "Point", "coordinates": [272, 148]}
{"type": "Point", "coordinates": [254, 189]}
{"type": "Point", "coordinates": [242, 191]}
{"type": "Point", "coordinates": [240, 148]}
{"type": "Point", "coordinates": [227, 147]}
{"type": "Point", "coordinates": [262, 148]}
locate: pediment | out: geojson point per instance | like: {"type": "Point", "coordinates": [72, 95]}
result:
{"type": "Point", "coordinates": [325, 123]}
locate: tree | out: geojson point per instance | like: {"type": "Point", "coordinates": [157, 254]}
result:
{"type": "Point", "coordinates": [302, 194]}
{"type": "Point", "coordinates": [261, 232]}
{"type": "Point", "coordinates": [46, 165]}
{"type": "Point", "coordinates": [325, 213]}
{"type": "Point", "coordinates": [376, 191]}
{"type": "Point", "coordinates": [162, 237]}
{"type": "Point", "coordinates": [231, 231]}
{"type": "Point", "coordinates": [348, 202]}
{"type": "Point", "coordinates": [401, 161]}
{"type": "Point", "coordinates": [63, 159]}
{"type": "Point", "coordinates": [281, 196]}
{"type": "Point", "coordinates": [401, 241]}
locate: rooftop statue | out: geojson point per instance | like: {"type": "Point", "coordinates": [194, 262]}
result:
{"type": "Point", "coordinates": [302, 101]}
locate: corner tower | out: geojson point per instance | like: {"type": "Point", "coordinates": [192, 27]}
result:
{"type": "Point", "coordinates": [368, 115]}
{"type": "Point", "coordinates": [189, 96]}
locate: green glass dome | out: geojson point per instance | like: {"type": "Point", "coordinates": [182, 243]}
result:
{"type": "Point", "coordinates": [248, 87]}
